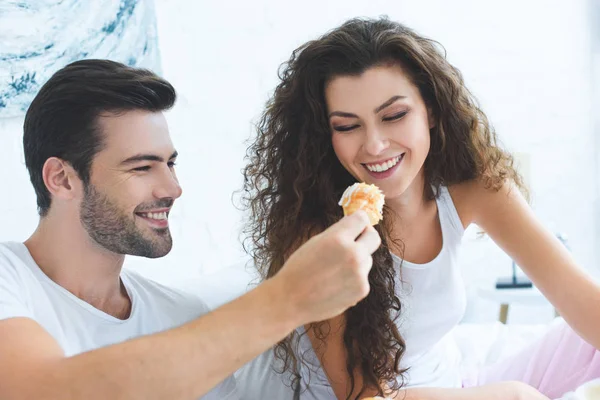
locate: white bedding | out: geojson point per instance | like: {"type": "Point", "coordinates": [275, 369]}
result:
{"type": "Point", "coordinates": [485, 344]}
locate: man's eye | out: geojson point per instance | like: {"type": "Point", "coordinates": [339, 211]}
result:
{"type": "Point", "coordinates": [144, 168]}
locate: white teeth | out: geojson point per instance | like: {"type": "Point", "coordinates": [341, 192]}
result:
{"type": "Point", "coordinates": [158, 216]}
{"type": "Point", "coordinates": [384, 166]}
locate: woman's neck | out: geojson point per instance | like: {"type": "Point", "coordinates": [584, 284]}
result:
{"type": "Point", "coordinates": [410, 205]}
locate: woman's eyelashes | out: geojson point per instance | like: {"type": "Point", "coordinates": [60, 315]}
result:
{"type": "Point", "coordinates": [396, 116]}
{"type": "Point", "coordinates": [391, 118]}
{"type": "Point", "coordinates": [345, 128]}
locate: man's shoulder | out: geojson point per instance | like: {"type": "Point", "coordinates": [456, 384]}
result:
{"type": "Point", "coordinates": [17, 280]}
{"type": "Point", "coordinates": [10, 251]}
{"type": "Point", "coordinates": [166, 296]}
{"type": "Point", "coordinates": [13, 259]}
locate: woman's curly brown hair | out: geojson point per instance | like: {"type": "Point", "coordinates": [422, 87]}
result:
{"type": "Point", "coordinates": [294, 180]}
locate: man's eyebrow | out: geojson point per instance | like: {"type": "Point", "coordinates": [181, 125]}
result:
{"type": "Point", "coordinates": [147, 157]}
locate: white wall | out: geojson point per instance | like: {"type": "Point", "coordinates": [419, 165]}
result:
{"type": "Point", "coordinates": [595, 20]}
{"type": "Point", "coordinates": [531, 73]}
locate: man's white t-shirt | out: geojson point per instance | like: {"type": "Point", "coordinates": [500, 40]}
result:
{"type": "Point", "coordinates": [25, 291]}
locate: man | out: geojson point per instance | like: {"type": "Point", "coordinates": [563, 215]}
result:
{"type": "Point", "coordinates": [73, 324]}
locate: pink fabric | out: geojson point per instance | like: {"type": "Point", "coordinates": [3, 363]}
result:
{"type": "Point", "coordinates": [556, 364]}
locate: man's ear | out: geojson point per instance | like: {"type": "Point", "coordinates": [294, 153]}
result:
{"type": "Point", "coordinates": [61, 180]}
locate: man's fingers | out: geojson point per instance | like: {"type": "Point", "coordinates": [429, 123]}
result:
{"type": "Point", "coordinates": [369, 239]}
{"type": "Point", "coordinates": [353, 225]}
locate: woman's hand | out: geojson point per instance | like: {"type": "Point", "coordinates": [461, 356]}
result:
{"type": "Point", "coordinates": [511, 390]}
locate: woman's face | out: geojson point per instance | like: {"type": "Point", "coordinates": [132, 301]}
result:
{"type": "Point", "coordinates": [380, 127]}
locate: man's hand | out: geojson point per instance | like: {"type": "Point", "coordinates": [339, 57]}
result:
{"type": "Point", "coordinates": [329, 273]}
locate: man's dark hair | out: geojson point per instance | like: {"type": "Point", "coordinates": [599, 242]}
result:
{"type": "Point", "coordinates": [62, 120]}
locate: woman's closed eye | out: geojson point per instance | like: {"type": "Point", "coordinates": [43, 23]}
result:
{"type": "Point", "coordinates": [345, 128]}
{"type": "Point", "coordinates": [395, 117]}
{"type": "Point", "coordinates": [391, 118]}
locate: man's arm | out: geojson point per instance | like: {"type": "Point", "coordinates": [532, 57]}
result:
{"type": "Point", "coordinates": [323, 278]}
{"type": "Point", "coordinates": [184, 363]}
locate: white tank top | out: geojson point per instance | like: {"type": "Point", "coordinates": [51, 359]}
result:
{"type": "Point", "coordinates": [433, 298]}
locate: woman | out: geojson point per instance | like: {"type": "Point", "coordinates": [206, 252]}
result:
{"type": "Point", "coordinates": [373, 101]}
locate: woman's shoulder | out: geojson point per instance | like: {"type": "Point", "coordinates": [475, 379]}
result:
{"type": "Point", "coordinates": [465, 196]}
{"type": "Point", "coordinates": [470, 197]}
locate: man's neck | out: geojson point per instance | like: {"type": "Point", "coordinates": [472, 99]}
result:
{"type": "Point", "coordinates": [67, 255]}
